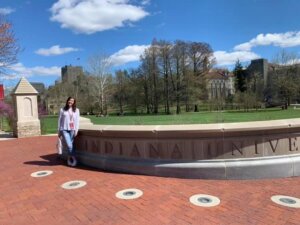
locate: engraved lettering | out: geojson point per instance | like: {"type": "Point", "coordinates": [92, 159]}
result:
{"type": "Point", "coordinates": [86, 145]}
{"type": "Point", "coordinates": [293, 144]}
{"type": "Point", "coordinates": [108, 148]}
{"type": "Point", "coordinates": [193, 151]}
{"type": "Point", "coordinates": [135, 151]}
{"type": "Point", "coordinates": [209, 152]}
{"type": "Point", "coordinates": [256, 149]}
{"type": "Point", "coordinates": [234, 147]}
{"type": "Point", "coordinates": [95, 146]}
{"type": "Point", "coordinates": [120, 148]}
{"type": "Point", "coordinates": [176, 154]}
{"type": "Point", "coordinates": [212, 150]}
{"type": "Point", "coordinates": [153, 152]}
{"type": "Point", "coordinates": [272, 146]}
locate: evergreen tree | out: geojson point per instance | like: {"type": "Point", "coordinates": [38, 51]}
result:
{"type": "Point", "coordinates": [240, 77]}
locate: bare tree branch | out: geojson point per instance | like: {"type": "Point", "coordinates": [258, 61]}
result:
{"type": "Point", "coordinates": [99, 66]}
{"type": "Point", "coordinates": [9, 48]}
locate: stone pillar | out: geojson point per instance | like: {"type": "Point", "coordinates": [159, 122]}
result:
{"type": "Point", "coordinates": [26, 121]}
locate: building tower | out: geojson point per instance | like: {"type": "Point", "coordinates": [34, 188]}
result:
{"type": "Point", "coordinates": [69, 74]}
{"type": "Point", "coordinates": [259, 66]}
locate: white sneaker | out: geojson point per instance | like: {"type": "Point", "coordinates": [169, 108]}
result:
{"type": "Point", "coordinates": [72, 161]}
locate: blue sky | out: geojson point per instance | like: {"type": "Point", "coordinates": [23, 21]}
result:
{"type": "Point", "coordinates": [63, 32]}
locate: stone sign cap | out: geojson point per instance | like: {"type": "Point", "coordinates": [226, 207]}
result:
{"type": "Point", "coordinates": [24, 87]}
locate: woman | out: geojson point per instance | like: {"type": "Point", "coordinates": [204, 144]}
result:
{"type": "Point", "coordinates": [68, 125]}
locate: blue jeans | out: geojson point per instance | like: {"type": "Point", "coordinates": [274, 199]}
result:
{"type": "Point", "coordinates": [68, 136]}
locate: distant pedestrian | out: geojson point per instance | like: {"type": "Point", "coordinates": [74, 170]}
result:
{"type": "Point", "coordinates": [68, 125]}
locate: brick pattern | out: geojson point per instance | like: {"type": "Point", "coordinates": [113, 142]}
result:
{"type": "Point", "coordinates": [27, 200]}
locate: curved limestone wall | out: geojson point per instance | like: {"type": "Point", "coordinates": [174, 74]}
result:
{"type": "Point", "coordinates": [265, 149]}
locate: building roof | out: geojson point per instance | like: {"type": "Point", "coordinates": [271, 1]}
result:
{"type": "Point", "coordinates": [24, 87]}
{"type": "Point", "coordinates": [39, 86]}
{"type": "Point", "coordinates": [218, 74]}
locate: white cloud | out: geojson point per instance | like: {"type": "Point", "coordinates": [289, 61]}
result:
{"type": "Point", "coordinates": [6, 11]}
{"type": "Point", "coordinates": [8, 77]}
{"type": "Point", "coordinates": [293, 62]}
{"type": "Point", "coordinates": [55, 50]}
{"type": "Point", "coordinates": [128, 54]}
{"type": "Point", "coordinates": [19, 70]}
{"type": "Point", "coordinates": [229, 58]}
{"type": "Point", "coordinates": [289, 62]}
{"type": "Point", "coordinates": [132, 53]}
{"type": "Point", "coordinates": [145, 2]}
{"type": "Point", "coordinates": [288, 39]}
{"type": "Point", "coordinates": [90, 16]}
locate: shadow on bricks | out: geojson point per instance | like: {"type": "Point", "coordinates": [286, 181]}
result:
{"type": "Point", "coordinates": [49, 160]}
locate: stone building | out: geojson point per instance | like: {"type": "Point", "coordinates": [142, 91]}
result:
{"type": "Point", "coordinates": [58, 93]}
{"type": "Point", "coordinates": [40, 87]}
{"type": "Point", "coordinates": [42, 95]}
{"type": "Point", "coordinates": [70, 74]}
{"type": "Point", "coordinates": [269, 72]}
{"type": "Point", "coordinates": [220, 83]}
{"type": "Point", "coordinates": [260, 67]}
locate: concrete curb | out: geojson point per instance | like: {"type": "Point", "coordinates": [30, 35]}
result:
{"type": "Point", "coordinates": [250, 168]}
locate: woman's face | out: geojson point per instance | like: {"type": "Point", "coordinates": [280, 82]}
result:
{"type": "Point", "coordinates": [71, 102]}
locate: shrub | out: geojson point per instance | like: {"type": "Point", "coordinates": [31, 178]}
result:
{"type": "Point", "coordinates": [6, 111]}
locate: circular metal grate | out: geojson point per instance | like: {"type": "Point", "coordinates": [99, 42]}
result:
{"type": "Point", "coordinates": [131, 193]}
{"type": "Point", "coordinates": [73, 184]}
{"type": "Point", "coordinates": [286, 201]}
{"type": "Point", "coordinates": [42, 173]}
{"type": "Point", "coordinates": [204, 200]}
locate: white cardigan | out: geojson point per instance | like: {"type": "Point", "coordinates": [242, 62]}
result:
{"type": "Point", "coordinates": [64, 120]}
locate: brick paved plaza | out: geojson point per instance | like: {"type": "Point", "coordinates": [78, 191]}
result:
{"type": "Point", "coordinates": [28, 200]}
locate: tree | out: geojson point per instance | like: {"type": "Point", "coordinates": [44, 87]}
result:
{"type": "Point", "coordinates": [87, 99]}
{"type": "Point", "coordinates": [9, 48]}
{"type": "Point", "coordinates": [165, 68]}
{"type": "Point", "coordinates": [246, 99]}
{"type": "Point", "coordinates": [136, 90]}
{"type": "Point", "coordinates": [286, 76]}
{"type": "Point", "coordinates": [240, 77]}
{"type": "Point", "coordinates": [200, 55]}
{"type": "Point", "coordinates": [255, 85]}
{"type": "Point", "coordinates": [180, 64]}
{"type": "Point", "coordinates": [99, 66]}
{"type": "Point", "coordinates": [175, 71]}
{"type": "Point", "coordinates": [121, 90]}
{"type": "Point", "coordinates": [151, 77]}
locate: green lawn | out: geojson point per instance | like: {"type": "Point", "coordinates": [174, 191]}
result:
{"type": "Point", "coordinates": [199, 117]}
{"type": "Point", "coordinates": [4, 124]}
{"type": "Point", "coordinates": [49, 123]}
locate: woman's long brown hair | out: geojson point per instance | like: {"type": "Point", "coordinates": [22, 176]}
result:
{"type": "Point", "coordinates": [66, 108]}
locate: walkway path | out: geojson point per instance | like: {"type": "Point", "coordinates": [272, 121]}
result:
{"type": "Point", "coordinates": [5, 136]}
{"type": "Point", "coordinates": [28, 200]}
